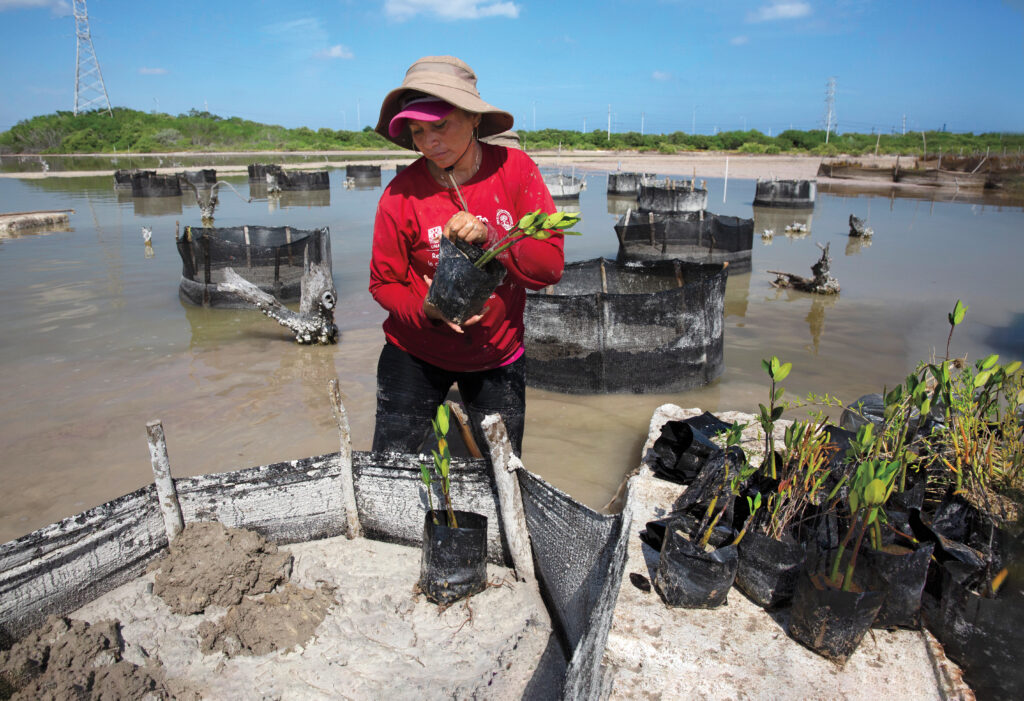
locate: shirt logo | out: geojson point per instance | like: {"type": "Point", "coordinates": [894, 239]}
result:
{"type": "Point", "coordinates": [434, 236]}
{"type": "Point", "coordinates": [505, 219]}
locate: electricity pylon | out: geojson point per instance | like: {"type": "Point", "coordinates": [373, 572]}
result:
{"type": "Point", "coordinates": [830, 106]}
{"type": "Point", "coordinates": [89, 87]}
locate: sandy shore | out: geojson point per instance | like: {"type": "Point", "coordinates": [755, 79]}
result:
{"type": "Point", "coordinates": [693, 164]}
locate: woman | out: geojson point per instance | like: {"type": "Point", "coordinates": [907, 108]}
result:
{"type": "Point", "coordinates": [438, 112]}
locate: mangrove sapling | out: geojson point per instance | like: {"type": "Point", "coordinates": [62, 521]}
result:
{"type": "Point", "coordinates": [537, 225]}
{"type": "Point", "coordinates": [768, 415]}
{"type": "Point", "coordinates": [870, 488]}
{"type": "Point", "coordinates": [804, 472]}
{"type": "Point", "coordinates": [441, 466]}
{"type": "Point", "coordinates": [753, 504]}
{"type": "Point", "coordinates": [734, 485]}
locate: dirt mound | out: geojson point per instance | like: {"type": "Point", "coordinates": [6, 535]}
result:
{"type": "Point", "coordinates": [210, 564]}
{"type": "Point", "coordinates": [277, 621]}
{"type": "Point", "coordinates": [66, 659]}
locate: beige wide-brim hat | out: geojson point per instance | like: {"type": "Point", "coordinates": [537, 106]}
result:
{"type": "Point", "coordinates": [451, 80]}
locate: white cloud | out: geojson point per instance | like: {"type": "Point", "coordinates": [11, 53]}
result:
{"type": "Point", "coordinates": [739, 41]}
{"type": "Point", "coordinates": [152, 71]}
{"type": "Point", "coordinates": [780, 10]}
{"type": "Point", "coordinates": [450, 9]}
{"type": "Point", "coordinates": [59, 8]}
{"type": "Point", "coordinates": [661, 75]}
{"type": "Point", "coordinates": [336, 51]}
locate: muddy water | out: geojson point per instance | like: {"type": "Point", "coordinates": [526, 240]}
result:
{"type": "Point", "coordinates": [95, 342]}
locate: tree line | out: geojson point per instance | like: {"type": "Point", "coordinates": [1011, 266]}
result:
{"type": "Point", "coordinates": [152, 132]}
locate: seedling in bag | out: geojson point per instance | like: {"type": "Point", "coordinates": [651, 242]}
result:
{"type": "Point", "coordinates": [536, 225]}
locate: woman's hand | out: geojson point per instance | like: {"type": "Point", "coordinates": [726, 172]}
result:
{"type": "Point", "coordinates": [465, 226]}
{"type": "Point", "coordinates": [434, 313]}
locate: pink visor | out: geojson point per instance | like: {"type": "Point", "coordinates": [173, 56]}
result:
{"type": "Point", "coordinates": [425, 109]}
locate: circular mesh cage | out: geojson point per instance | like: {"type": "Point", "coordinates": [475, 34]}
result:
{"type": "Point", "coordinates": [695, 237]}
{"type": "Point", "coordinates": [792, 194]}
{"type": "Point", "coordinates": [147, 184]}
{"type": "Point", "coordinates": [272, 258]}
{"type": "Point", "coordinates": [646, 326]}
{"type": "Point", "coordinates": [671, 196]}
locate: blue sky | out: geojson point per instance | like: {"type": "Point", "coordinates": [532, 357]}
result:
{"type": "Point", "coordinates": [657, 65]}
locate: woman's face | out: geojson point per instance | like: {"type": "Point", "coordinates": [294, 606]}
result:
{"type": "Point", "coordinates": [446, 140]}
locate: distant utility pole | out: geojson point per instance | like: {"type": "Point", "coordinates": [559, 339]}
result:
{"type": "Point", "coordinates": [358, 119]}
{"type": "Point", "coordinates": [535, 115]}
{"type": "Point", "coordinates": [904, 125]}
{"type": "Point", "coordinates": [609, 122]}
{"type": "Point", "coordinates": [830, 105]}
{"type": "Point", "coordinates": [89, 87]}
{"type": "Point", "coordinates": [584, 125]}
{"type": "Point", "coordinates": [641, 124]}
{"type": "Point", "coordinates": [693, 124]}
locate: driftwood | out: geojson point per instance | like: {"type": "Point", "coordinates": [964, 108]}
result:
{"type": "Point", "coordinates": [209, 203]}
{"type": "Point", "coordinates": [314, 322]}
{"type": "Point", "coordinates": [858, 228]}
{"type": "Point", "coordinates": [822, 283]}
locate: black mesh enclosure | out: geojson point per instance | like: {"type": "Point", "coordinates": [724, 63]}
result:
{"type": "Point", "coordinates": [628, 183]}
{"type": "Point", "coordinates": [694, 237]}
{"type": "Point", "coordinates": [272, 258]}
{"type": "Point", "coordinates": [579, 556]}
{"type": "Point", "coordinates": [146, 185]}
{"type": "Point", "coordinates": [362, 171]}
{"type": "Point", "coordinates": [258, 171]}
{"type": "Point", "coordinates": [206, 176]}
{"type": "Point", "coordinates": [792, 194]}
{"type": "Point", "coordinates": [123, 177]}
{"type": "Point", "coordinates": [647, 326]}
{"type": "Point", "coordinates": [671, 196]}
{"type": "Point", "coordinates": [290, 181]}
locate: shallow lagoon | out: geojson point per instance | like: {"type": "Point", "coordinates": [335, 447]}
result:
{"type": "Point", "coordinates": [96, 343]}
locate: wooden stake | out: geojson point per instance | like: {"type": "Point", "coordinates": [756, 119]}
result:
{"type": "Point", "coordinates": [510, 499]}
{"type": "Point", "coordinates": [167, 495]}
{"type": "Point", "coordinates": [348, 490]}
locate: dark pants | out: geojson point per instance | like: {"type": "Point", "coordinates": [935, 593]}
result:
{"type": "Point", "coordinates": [409, 391]}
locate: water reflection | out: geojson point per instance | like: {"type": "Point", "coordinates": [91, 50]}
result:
{"type": "Point", "coordinates": [856, 244]}
{"type": "Point", "coordinates": [778, 219]}
{"type": "Point", "coordinates": [620, 204]}
{"type": "Point", "coordinates": [157, 206]}
{"type": "Point", "coordinates": [299, 198]}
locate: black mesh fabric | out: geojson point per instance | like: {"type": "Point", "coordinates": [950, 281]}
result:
{"type": "Point", "coordinates": [579, 556]}
{"type": "Point", "coordinates": [796, 194]}
{"type": "Point", "coordinates": [695, 237]}
{"type": "Point", "coordinates": [650, 326]}
{"type": "Point", "coordinates": [272, 258]}
{"type": "Point", "coordinates": [145, 184]}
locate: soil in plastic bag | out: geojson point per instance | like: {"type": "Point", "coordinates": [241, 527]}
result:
{"type": "Point", "coordinates": [903, 566]}
{"type": "Point", "coordinates": [689, 577]}
{"type": "Point", "coordinates": [768, 568]}
{"type": "Point", "coordinates": [681, 451]}
{"type": "Point", "coordinates": [827, 620]}
{"type": "Point", "coordinates": [454, 561]}
{"type": "Point", "coordinates": [984, 636]}
{"type": "Point", "coordinates": [459, 289]}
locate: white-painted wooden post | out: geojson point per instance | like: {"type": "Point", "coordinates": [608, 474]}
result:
{"type": "Point", "coordinates": [348, 490]}
{"type": "Point", "coordinates": [167, 495]}
{"type": "Point", "coordinates": [510, 499]}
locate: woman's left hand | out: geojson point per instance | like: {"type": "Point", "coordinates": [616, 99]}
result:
{"type": "Point", "coordinates": [465, 226]}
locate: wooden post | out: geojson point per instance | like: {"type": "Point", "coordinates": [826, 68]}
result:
{"type": "Point", "coordinates": [510, 499]}
{"type": "Point", "coordinates": [725, 186]}
{"type": "Point", "coordinates": [167, 495]}
{"type": "Point", "coordinates": [348, 490]}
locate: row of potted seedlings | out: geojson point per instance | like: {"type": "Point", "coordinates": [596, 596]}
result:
{"type": "Point", "coordinates": [906, 514]}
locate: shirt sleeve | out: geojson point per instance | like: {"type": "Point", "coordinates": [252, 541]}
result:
{"type": "Point", "coordinates": [393, 282]}
{"type": "Point", "coordinates": [531, 263]}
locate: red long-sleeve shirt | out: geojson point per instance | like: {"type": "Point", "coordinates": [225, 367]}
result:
{"type": "Point", "coordinates": [410, 217]}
